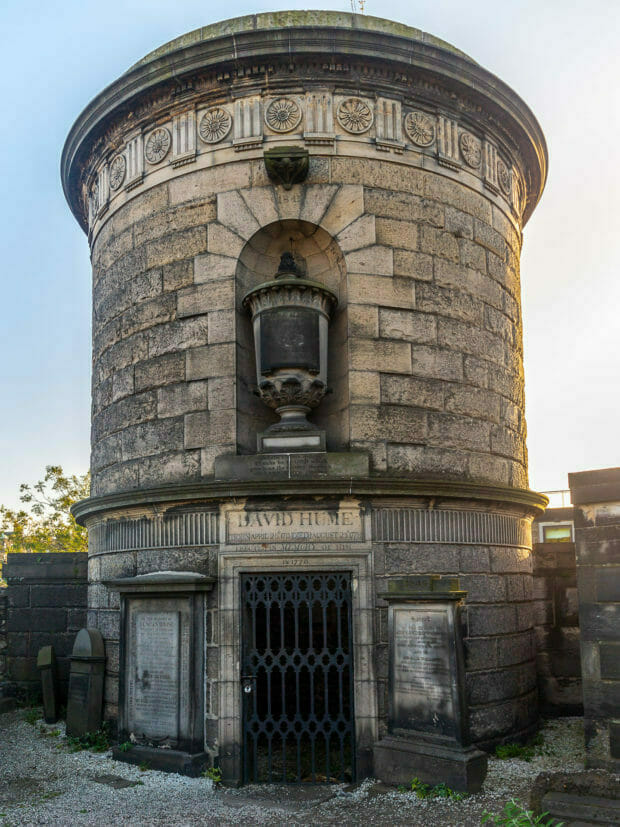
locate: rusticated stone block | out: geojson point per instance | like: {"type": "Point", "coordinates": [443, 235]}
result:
{"type": "Point", "coordinates": [179, 466]}
{"type": "Point", "coordinates": [389, 422]}
{"type": "Point", "coordinates": [374, 173]}
{"type": "Point", "coordinates": [163, 370]}
{"type": "Point", "coordinates": [382, 291]}
{"type": "Point", "coordinates": [210, 361]}
{"type": "Point", "coordinates": [177, 336]}
{"type": "Point", "coordinates": [177, 246]}
{"type": "Point", "coordinates": [407, 325]}
{"type": "Point", "coordinates": [453, 431]}
{"type": "Point", "coordinates": [402, 205]}
{"type": "Point", "coordinates": [152, 438]}
{"type": "Point", "coordinates": [436, 363]}
{"type": "Point", "coordinates": [409, 390]}
{"type": "Point", "coordinates": [425, 459]}
{"type": "Point", "coordinates": [448, 301]}
{"type": "Point", "coordinates": [418, 266]}
{"type": "Point", "coordinates": [392, 357]}
{"type": "Point", "coordinates": [173, 400]}
{"type": "Point", "coordinates": [397, 234]}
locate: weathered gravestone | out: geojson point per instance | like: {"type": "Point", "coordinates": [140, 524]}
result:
{"type": "Point", "coordinates": [46, 664]}
{"type": "Point", "coordinates": [427, 725]}
{"type": "Point", "coordinates": [162, 669]}
{"type": "Point", "coordinates": [86, 683]}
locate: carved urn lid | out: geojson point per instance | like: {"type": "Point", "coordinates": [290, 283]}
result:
{"type": "Point", "coordinates": [290, 286]}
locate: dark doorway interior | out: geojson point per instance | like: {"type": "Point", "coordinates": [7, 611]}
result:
{"type": "Point", "coordinates": [297, 677]}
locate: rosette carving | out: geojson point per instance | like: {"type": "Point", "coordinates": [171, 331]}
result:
{"type": "Point", "coordinates": [283, 115]}
{"type": "Point", "coordinates": [420, 128]}
{"type": "Point", "coordinates": [504, 177]}
{"type": "Point", "coordinates": [471, 149]}
{"type": "Point", "coordinates": [157, 145]}
{"type": "Point", "coordinates": [118, 168]}
{"type": "Point", "coordinates": [215, 125]}
{"type": "Point", "coordinates": [354, 115]}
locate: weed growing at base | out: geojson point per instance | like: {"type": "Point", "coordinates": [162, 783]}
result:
{"type": "Point", "coordinates": [514, 814]}
{"type": "Point", "coordinates": [94, 741]}
{"type": "Point", "coordinates": [442, 790]}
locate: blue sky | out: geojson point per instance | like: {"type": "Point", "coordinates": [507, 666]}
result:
{"type": "Point", "coordinates": [561, 57]}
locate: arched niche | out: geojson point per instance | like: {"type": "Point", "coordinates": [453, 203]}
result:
{"type": "Point", "coordinates": [323, 261]}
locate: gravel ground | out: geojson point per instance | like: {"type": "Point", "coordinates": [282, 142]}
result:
{"type": "Point", "coordinates": [42, 783]}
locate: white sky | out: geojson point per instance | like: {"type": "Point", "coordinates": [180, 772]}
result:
{"type": "Point", "coordinates": [561, 56]}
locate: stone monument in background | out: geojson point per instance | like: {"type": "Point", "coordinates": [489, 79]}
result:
{"type": "Point", "coordinates": [396, 174]}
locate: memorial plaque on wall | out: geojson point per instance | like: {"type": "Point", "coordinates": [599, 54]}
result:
{"type": "Point", "coordinates": [425, 687]}
{"type": "Point", "coordinates": [157, 658]}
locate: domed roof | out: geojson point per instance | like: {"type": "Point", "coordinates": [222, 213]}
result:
{"type": "Point", "coordinates": [272, 21]}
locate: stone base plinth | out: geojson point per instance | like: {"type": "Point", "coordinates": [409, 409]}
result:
{"type": "Point", "coordinates": [397, 760]}
{"type": "Point", "coordinates": [165, 760]}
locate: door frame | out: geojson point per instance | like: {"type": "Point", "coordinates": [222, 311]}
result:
{"type": "Point", "coordinates": [231, 564]}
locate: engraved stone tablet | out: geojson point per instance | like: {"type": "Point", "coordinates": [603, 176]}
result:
{"type": "Point", "coordinates": [423, 674]}
{"type": "Point", "coordinates": [342, 524]}
{"type": "Point", "coordinates": [153, 679]}
{"type": "Point", "coordinates": [289, 338]}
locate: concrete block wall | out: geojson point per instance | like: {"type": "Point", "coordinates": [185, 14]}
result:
{"type": "Point", "coordinates": [46, 604]}
{"type": "Point", "coordinates": [596, 501]}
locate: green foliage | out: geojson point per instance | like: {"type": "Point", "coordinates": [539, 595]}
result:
{"type": "Point", "coordinates": [46, 524]}
{"type": "Point", "coordinates": [144, 766]}
{"type": "Point", "coordinates": [33, 715]}
{"type": "Point", "coordinates": [514, 814]}
{"type": "Point", "coordinates": [535, 746]}
{"type": "Point", "coordinates": [125, 746]}
{"type": "Point", "coordinates": [213, 773]}
{"type": "Point", "coordinates": [94, 741]}
{"type": "Point", "coordinates": [437, 791]}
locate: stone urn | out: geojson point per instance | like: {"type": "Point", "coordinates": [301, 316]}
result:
{"type": "Point", "coordinates": [290, 317]}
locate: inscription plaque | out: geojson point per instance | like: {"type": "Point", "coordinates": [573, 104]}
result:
{"type": "Point", "coordinates": [153, 690]}
{"type": "Point", "coordinates": [338, 525]}
{"type": "Point", "coordinates": [423, 674]}
{"type": "Point", "coordinates": [289, 338]}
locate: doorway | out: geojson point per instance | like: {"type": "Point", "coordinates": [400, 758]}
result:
{"type": "Point", "coordinates": [297, 677]}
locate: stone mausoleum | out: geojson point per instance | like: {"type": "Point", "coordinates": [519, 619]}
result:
{"type": "Point", "coordinates": [310, 523]}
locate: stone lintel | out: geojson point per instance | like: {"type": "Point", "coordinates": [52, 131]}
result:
{"type": "Point", "coordinates": [423, 587]}
{"type": "Point", "coordinates": [162, 581]}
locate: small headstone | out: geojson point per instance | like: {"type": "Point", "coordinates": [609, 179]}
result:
{"type": "Point", "coordinates": [46, 663]}
{"type": "Point", "coordinates": [427, 724]}
{"type": "Point", "coordinates": [86, 683]}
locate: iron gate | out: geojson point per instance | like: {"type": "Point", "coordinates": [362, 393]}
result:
{"type": "Point", "coordinates": [297, 677]}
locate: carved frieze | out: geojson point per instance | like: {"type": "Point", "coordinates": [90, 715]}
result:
{"type": "Point", "coordinates": [253, 119]}
{"type": "Point", "coordinates": [354, 116]}
{"type": "Point", "coordinates": [214, 125]}
{"type": "Point", "coordinates": [283, 115]}
{"type": "Point", "coordinates": [420, 128]}
{"type": "Point", "coordinates": [157, 145]}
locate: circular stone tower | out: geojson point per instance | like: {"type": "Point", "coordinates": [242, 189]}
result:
{"type": "Point", "coordinates": [266, 556]}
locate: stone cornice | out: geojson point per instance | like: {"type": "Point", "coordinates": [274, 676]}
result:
{"type": "Point", "coordinates": [481, 95]}
{"type": "Point", "coordinates": [530, 501]}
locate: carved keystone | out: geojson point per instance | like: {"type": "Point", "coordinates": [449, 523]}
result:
{"type": "Point", "coordinates": [287, 165]}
